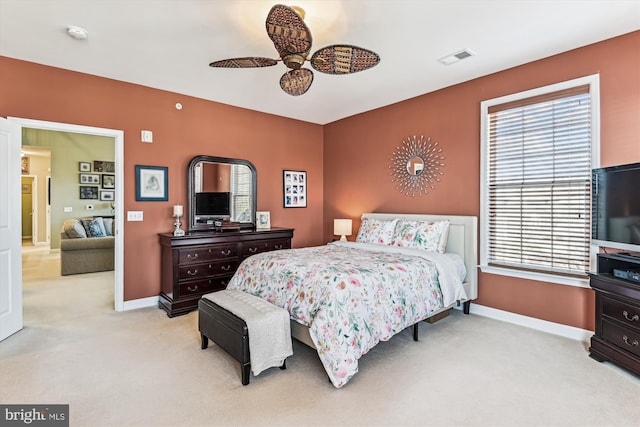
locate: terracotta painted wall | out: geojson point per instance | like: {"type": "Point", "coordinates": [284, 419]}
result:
{"type": "Point", "coordinates": [270, 142]}
{"type": "Point", "coordinates": [358, 152]}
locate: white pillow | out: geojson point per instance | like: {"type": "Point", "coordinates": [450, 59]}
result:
{"type": "Point", "coordinates": [378, 231]}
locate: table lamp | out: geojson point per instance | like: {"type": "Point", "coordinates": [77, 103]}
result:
{"type": "Point", "coordinates": [342, 228]}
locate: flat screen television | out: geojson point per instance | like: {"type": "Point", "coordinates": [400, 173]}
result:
{"type": "Point", "coordinates": [213, 204]}
{"type": "Point", "coordinates": [615, 208]}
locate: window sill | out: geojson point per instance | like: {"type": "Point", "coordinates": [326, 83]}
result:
{"type": "Point", "coordinates": [540, 277]}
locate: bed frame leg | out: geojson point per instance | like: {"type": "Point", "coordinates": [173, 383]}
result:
{"type": "Point", "coordinates": [205, 342]}
{"type": "Point", "coordinates": [415, 331]}
{"type": "Point", "coordinates": [466, 306]}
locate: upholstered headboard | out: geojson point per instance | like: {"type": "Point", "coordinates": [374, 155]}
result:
{"type": "Point", "coordinates": [463, 240]}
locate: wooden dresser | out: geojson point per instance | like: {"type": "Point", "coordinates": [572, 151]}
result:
{"type": "Point", "coordinates": [199, 263]}
{"type": "Point", "coordinates": [617, 335]}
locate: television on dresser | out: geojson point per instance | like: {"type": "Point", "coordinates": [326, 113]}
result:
{"type": "Point", "coordinates": [213, 204]}
{"type": "Point", "coordinates": [615, 207]}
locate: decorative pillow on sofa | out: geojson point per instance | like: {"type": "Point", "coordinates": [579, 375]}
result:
{"type": "Point", "coordinates": [94, 227]}
{"type": "Point", "coordinates": [74, 229]}
{"type": "Point", "coordinates": [108, 226]}
{"type": "Point", "coordinates": [426, 235]}
{"type": "Point", "coordinates": [376, 231]}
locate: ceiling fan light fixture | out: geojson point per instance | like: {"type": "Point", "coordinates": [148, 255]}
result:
{"type": "Point", "coordinates": [77, 33]}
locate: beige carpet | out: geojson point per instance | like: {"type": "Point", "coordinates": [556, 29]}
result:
{"type": "Point", "coordinates": [140, 368]}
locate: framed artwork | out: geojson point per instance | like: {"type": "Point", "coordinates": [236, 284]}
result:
{"type": "Point", "coordinates": [108, 181]}
{"type": "Point", "coordinates": [89, 178]}
{"type": "Point", "coordinates": [263, 220]}
{"type": "Point", "coordinates": [109, 195]}
{"type": "Point", "coordinates": [101, 166]}
{"type": "Point", "coordinates": [294, 189]}
{"type": "Point", "coordinates": [152, 183]}
{"type": "Point", "coordinates": [88, 192]}
{"type": "Point", "coordinates": [85, 167]}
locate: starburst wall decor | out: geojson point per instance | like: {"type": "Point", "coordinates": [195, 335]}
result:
{"type": "Point", "coordinates": [416, 166]}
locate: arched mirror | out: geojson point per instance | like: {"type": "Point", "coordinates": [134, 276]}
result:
{"type": "Point", "coordinates": [221, 189]}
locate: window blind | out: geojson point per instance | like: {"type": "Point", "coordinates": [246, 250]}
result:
{"type": "Point", "coordinates": [539, 192]}
{"type": "Point", "coordinates": [241, 193]}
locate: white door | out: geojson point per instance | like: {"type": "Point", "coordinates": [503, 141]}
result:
{"type": "Point", "coordinates": [10, 230]}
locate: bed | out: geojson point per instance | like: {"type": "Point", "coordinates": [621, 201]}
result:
{"type": "Point", "coordinates": [345, 297]}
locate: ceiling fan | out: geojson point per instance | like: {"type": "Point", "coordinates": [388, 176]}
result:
{"type": "Point", "coordinates": [292, 40]}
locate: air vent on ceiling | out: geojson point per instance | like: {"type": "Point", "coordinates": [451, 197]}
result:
{"type": "Point", "coordinates": [455, 57]}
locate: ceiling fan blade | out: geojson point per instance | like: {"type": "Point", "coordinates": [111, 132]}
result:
{"type": "Point", "coordinates": [248, 62]}
{"type": "Point", "coordinates": [296, 82]}
{"type": "Point", "coordinates": [343, 59]}
{"type": "Point", "coordinates": [288, 32]}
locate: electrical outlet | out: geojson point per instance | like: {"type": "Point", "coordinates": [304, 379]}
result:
{"type": "Point", "coordinates": [134, 216]}
{"type": "Point", "coordinates": [67, 209]}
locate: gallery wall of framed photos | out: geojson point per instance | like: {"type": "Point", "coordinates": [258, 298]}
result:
{"type": "Point", "coordinates": [97, 180]}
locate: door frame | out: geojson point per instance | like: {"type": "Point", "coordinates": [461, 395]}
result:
{"type": "Point", "coordinates": [118, 136]}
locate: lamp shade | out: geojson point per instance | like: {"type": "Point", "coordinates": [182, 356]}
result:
{"type": "Point", "coordinates": [342, 228]}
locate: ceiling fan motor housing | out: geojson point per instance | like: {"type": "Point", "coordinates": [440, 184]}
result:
{"type": "Point", "coordinates": [293, 61]}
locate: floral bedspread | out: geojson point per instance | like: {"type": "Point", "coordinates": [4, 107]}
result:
{"type": "Point", "coordinates": [351, 295]}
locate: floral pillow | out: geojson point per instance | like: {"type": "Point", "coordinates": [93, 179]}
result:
{"type": "Point", "coordinates": [376, 231]}
{"type": "Point", "coordinates": [94, 227]}
{"type": "Point", "coordinates": [432, 236]}
{"type": "Point", "coordinates": [426, 235]}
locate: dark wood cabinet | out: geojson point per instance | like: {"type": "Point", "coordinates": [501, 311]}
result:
{"type": "Point", "coordinates": [617, 334]}
{"type": "Point", "coordinates": [199, 263]}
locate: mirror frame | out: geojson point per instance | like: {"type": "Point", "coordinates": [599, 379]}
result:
{"type": "Point", "coordinates": [193, 227]}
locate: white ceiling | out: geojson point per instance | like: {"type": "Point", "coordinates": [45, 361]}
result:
{"type": "Point", "coordinates": [168, 44]}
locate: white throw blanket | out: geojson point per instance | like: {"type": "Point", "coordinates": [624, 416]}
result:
{"type": "Point", "coordinates": [269, 328]}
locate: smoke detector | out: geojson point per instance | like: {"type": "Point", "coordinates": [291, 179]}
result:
{"type": "Point", "coordinates": [77, 32]}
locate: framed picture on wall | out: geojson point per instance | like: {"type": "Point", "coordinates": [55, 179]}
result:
{"type": "Point", "coordinates": [294, 189]}
{"type": "Point", "coordinates": [85, 167]}
{"type": "Point", "coordinates": [101, 166]}
{"type": "Point", "coordinates": [152, 183]}
{"type": "Point", "coordinates": [107, 195]}
{"type": "Point", "coordinates": [88, 192]}
{"type": "Point", "coordinates": [89, 178]}
{"type": "Point", "coordinates": [108, 181]}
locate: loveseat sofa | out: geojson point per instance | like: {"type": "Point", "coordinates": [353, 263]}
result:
{"type": "Point", "coordinates": [86, 245]}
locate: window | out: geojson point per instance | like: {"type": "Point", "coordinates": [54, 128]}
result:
{"type": "Point", "coordinates": [538, 148]}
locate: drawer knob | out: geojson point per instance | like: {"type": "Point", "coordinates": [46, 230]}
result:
{"type": "Point", "coordinates": [227, 252]}
{"type": "Point", "coordinates": [253, 250]}
{"type": "Point", "coordinates": [195, 288]}
{"type": "Point", "coordinates": [634, 318]}
{"type": "Point", "coordinates": [633, 343]}
{"type": "Point", "coordinates": [192, 274]}
{"type": "Point", "coordinates": [194, 256]}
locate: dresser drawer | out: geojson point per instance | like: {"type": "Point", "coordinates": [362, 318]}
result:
{"type": "Point", "coordinates": [621, 311]}
{"type": "Point", "coordinates": [252, 248]}
{"type": "Point", "coordinates": [214, 268]}
{"type": "Point", "coordinates": [622, 337]}
{"type": "Point", "coordinates": [204, 286]}
{"type": "Point", "coordinates": [207, 253]}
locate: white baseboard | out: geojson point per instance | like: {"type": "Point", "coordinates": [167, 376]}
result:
{"type": "Point", "coordinates": [533, 323]}
{"type": "Point", "coordinates": [140, 303]}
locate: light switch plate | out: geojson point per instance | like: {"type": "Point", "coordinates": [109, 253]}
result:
{"type": "Point", "coordinates": [134, 216]}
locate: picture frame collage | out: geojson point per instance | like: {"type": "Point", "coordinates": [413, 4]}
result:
{"type": "Point", "coordinates": [294, 188]}
{"type": "Point", "coordinates": [97, 180]}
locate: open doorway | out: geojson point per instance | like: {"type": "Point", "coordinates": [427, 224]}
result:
{"type": "Point", "coordinates": [115, 205]}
